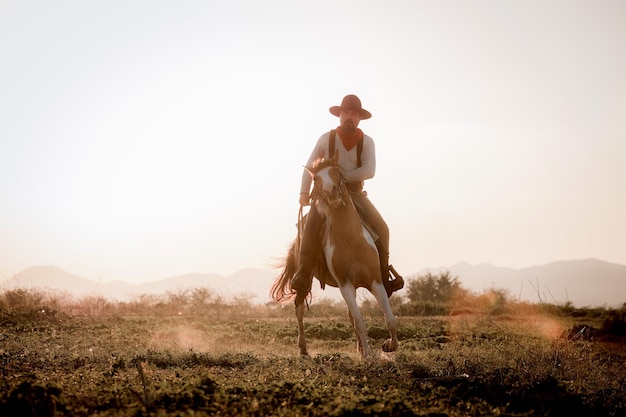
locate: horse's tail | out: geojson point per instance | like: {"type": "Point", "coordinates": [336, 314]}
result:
{"type": "Point", "coordinates": [281, 289]}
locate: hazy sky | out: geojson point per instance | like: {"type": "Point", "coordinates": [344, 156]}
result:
{"type": "Point", "coordinates": [145, 139]}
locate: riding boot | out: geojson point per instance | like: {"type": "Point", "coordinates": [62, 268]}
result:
{"type": "Point", "coordinates": [397, 282]}
{"type": "Point", "coordinates": [309, 247]}
{"type": "Point", "coordinates": [392, 282]}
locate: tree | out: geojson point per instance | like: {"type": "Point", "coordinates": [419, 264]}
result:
{"type": "Point", "coordinates": [428, 287]}
{"type": "Point", "coordinates": [200, 300]}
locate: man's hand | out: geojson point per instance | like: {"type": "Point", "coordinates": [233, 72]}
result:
{"type": "Point", "coordinates": [305, 199]}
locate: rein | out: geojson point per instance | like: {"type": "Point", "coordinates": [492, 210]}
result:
{"type": "Point", "coordinates": [300, 226]}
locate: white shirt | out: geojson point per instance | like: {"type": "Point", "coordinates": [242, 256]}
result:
{"type": "Point", "coordinates": [347, 160]}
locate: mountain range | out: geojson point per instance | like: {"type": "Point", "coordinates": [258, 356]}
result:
{"type": "Point", "coordinates": [584, 283]}
{"type": "Point", "coordinates": [250, 283]}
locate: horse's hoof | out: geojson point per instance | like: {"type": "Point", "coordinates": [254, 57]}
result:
{"type": "Point", "coordinates": [390, 346]}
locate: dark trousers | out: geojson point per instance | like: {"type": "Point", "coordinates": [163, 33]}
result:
{"type": "Point", "coordinates": [371, 216]}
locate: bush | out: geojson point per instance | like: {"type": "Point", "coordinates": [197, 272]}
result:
{"type": "Point", "coordinates": [431, 288]}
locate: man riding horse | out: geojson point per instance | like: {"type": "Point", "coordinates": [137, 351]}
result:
{"type": "Point", "coordinates": [357, 160]}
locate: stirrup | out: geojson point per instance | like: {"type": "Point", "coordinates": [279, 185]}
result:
{"type": "Point", "coordinates": [396, 283]}
{"type": "Point", "coordinates": [395, 273]}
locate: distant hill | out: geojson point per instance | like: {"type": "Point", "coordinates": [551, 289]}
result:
{"type": "Point", "coordinates": [588, 282]}
{"type": "Point", "coordinates": [253, 283]}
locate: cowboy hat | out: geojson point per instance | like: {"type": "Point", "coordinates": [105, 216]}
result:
{"type": "Point", "coordinates": [350, 102]}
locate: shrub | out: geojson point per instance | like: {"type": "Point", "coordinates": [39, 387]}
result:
{"type": "Point", "coordinates": [431, 288]}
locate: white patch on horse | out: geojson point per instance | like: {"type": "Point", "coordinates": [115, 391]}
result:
{"type": "Point", "coordinates": [329, 250]}
{"type": "Point", "coordinates": [323, 209]}
{"type": "Point", "coordinates": [326, 180]}
{"type": "Point", "coordinates": [368, 236]}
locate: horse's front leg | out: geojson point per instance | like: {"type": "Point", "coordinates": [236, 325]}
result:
{"type": "Point", "coordinates": [359, 346]}
{"type": "Point", "coordinates": [391, 322]}
{"type": "Point", "coordinates": [349, 295]}
{"type": "Point", "coordinates": [300, 303]}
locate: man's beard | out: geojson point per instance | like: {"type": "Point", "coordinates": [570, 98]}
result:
{"type": "Point", "coordinates": [348, 126]}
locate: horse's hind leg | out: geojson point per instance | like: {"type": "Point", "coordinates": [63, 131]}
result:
{"type": "Point", "coordinates": [300, 303]}
{"type": "Point", "coordinates": [391, 322]}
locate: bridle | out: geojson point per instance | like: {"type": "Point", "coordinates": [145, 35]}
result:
{"type": "Point", "coordinates": [320, 194]}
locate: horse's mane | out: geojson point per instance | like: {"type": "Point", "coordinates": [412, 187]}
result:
{"type": "Point", "coordinates": [321, 163]}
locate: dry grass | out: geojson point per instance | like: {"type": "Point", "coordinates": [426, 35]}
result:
{"type": "Point", "coordinates": [527, 360]}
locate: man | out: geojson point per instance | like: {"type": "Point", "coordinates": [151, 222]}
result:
{"type": "Point", "coordinates": [357, 159]}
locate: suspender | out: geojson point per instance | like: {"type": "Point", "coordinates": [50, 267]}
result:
{"type": "Point", "coordinates": [331, 148]}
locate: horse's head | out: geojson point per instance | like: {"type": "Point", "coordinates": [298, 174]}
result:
{"type": "Point", "coordinates": [328, 182]}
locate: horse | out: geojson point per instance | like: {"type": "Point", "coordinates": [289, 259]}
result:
{"type": "Point", "coordinates": [350, 258]}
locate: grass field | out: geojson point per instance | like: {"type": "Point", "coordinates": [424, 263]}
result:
{"type": "Point", "coordinates": [236, 362]}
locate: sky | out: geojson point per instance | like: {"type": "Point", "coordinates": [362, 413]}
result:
{"type": "Point", "coordinates": [147, 139]}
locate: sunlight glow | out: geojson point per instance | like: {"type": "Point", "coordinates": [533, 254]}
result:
{"type": "Point", "coordinates": [139, 146]}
